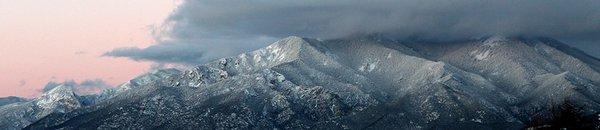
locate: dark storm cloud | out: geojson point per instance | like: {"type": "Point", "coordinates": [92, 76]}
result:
{"type": "Point", "coordinates": [432, 18]}
{"type": "Point", "coordinates": [236, 24]}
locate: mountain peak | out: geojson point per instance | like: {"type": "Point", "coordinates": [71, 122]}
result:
{"type": "Point", "coordinates": [291, 43]}
{"type": "Point", "coordinates": [281, 51]}
{"type": "Point", "coordinates": [495, 40]}
{"type": "Point", "coordinates": [62, 89]}
{"type": "Point", "coordinates": [62, 98]}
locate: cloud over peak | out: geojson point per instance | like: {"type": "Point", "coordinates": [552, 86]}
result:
{"type": "Point", "coordinates": [433, 18]}
{"type": "Point", "coordinates": [84, 87]}
{"type": "Point", "coordinates": [216, 28]}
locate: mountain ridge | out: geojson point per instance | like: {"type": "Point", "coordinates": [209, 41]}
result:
{"type": "Point", "coordinates": [60, 99]}
{"type": "Point", "coordinates": [386, 83]}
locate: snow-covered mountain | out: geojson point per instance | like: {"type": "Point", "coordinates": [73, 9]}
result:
{"type": "Point", "coordinates": [17, 115]}
{"type": "Point", "coordinates": [355, 83]}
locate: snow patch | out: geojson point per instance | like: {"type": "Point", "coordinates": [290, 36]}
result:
{"type": "Point", "coordinates": [483, 56]}
{"type": "Point", "coordinates": [474, 52]}
{"type": "Point", "coordinates": [370, 66]}
{"type": "Point", "coordinates": [477, 120]}
{"type": "Point", "coordinates": [494, 41]}
{"type": "Point", "coordinates": [257, 58]}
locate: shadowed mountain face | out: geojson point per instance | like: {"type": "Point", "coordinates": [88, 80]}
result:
{"type": "Point", "coordinates": [10, 100]}
{"type": "Point", "coordinates": [356, 83]}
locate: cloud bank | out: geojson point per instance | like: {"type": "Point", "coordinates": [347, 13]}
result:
{"type": "Point", "coordinates": [201, 30]}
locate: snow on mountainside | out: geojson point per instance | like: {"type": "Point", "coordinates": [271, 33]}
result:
{"type": "Point", "coordinates": [357, 83]}
{"type": "Point", "coordinates": [61, 99]}
{"type": "Point", "coordinates": [532, 69]}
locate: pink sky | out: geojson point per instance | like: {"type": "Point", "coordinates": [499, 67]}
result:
{"type": "Point", "coordinates": [57, 40]}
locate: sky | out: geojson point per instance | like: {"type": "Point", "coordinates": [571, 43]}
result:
{"type": "Point", "coordinates": [44, 41]}
{"type": "Point", "coordinates": [95, 44]}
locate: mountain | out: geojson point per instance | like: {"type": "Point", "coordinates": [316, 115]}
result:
{"type": "Point", "coordinates": [10, 100]}
{"type": "Point", "coordinates": [20, 113]}
{"type": "Point", "coordinates": [358, 83]}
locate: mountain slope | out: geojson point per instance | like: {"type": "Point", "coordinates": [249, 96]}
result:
{"type": "Point", "coordinates": [10, 100]}
{"type": "Point", "coordinates": [536, 71]}
{"type": "Point", "coordinates": [61, 99]}
{"type": "Point", "coordinates": [299, 83]}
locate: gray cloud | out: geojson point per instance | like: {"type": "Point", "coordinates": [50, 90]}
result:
{"type": "Point", "coordinates": [169, 53]}
{"type": "Point", "coordinates": [589, 47]}
{"type": "Point", "coordinates": [22, 83]}
{"type": "Point", "coordinates": [206, 29]}
{"type": "Point", "coordinates": [190, 52]}
{"type": "Point", "coordinates": [85, 86]}
{"type": "Point", "coordinates": [79, 52]}
{"type": "Point", "coordinates": [94, 83]}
